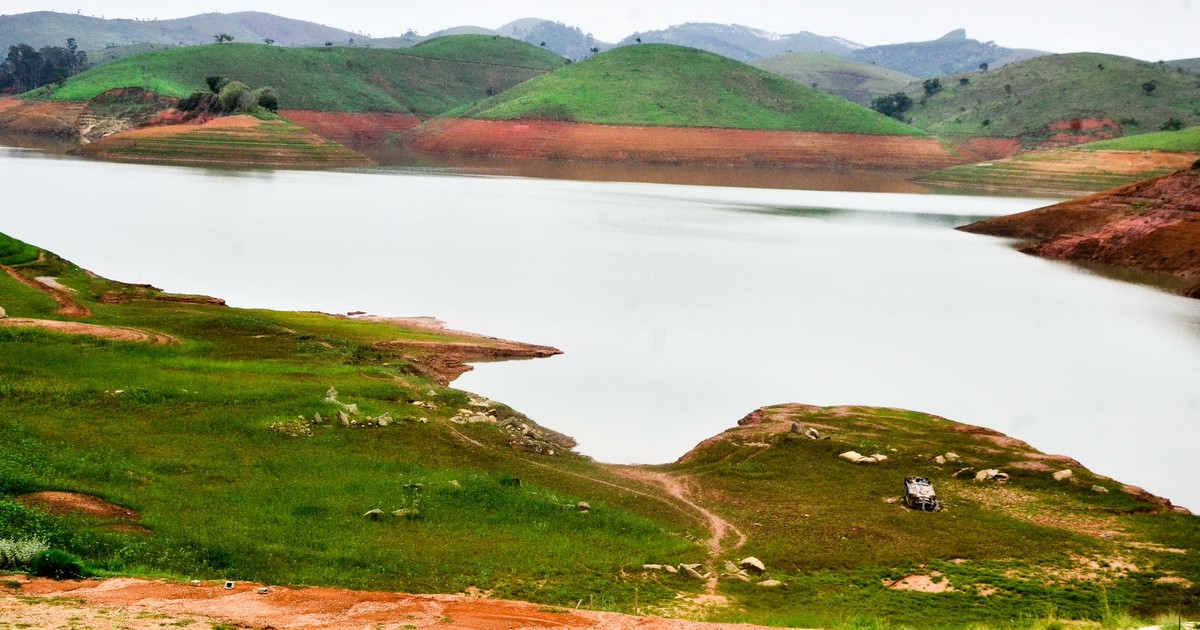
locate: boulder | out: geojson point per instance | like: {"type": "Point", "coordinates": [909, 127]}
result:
{"type": "Point", "coordinates": [2, 313]}
{"type": "Point", "coordinates": [1063, 475]}
{"type": "Point", "coordinates": [753, 564]}
{"type": "Point", "coordinates": [652, 567]}
{"type": "Point", "coordinates": [991, 474]}
{"type": "Point", "coordinates": [454, 483]}
{"type": "Point", "coordinates": [583, 506]}
{"type": "Point", "coordinates": [951, 457]}
{"type": "Point", "coordinates": [343, 419]}
{"type": "Point", "coordinates": [770, 584]}
{"type": "Point", "coordinates": [939, 460]}
{"type": "Point", "coordinates": [1100, 489]}
{"type": "Point", "coordinates": [797, 429]}
{"type": "Point", "coordinates": [741, 576]}
{"type": "Point", "coordinates": [692, 573]}
{"type": "Point", "coordinates": [331, 395]}
{"type": "Point", "coordinates": [408, 512]}
{"type": "Point", "coordinates": [879, 457]}
{"type": "Point", "coordinates": [851, 456]}
{"type": "Point", "coordinates": [373, 515]}
{"type": "Point", "coordinates": [317, 419]}
{"type": "Point", "coordinates": [670, 569]}
{"type": "Point", "coordinates": [384, 420]}
{"type": "Point", "coordinates": [351, 409]}
{"type": "Point", "coordinates": [730, 567]}
{"type": "Point", "coordinates": [812, 433]}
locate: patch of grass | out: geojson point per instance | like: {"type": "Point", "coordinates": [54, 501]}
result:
{"type": "Point", "coordinates": [665, 85]}
{"type": "Point", "coordinates": [428, 79]}
{"type": "Point", "coordinates": [14, 252]}
{"type": "Point", "coordinates": [1184, 140]}
{"type": "Point", "coordinates": [851, 80]}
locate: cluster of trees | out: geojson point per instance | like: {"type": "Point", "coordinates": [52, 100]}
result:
{"type": "Point", "coordinates": [893, 105]}
{"type": "Point", "coordinates": [25, 69]}
{"type": "Point", "coordinates": [229, 97]}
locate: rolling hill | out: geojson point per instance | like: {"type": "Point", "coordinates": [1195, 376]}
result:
{"type": "Point", "coordinates": [48, 28]}
{"type": "Point", "coordinates": [1060, 100]}
{"type": "Point", "coordinates": [851, 80]}
{"type": "Point", "coordinates": [742, 43]}
{"type": "Point", "coordinates": [952, 53]}
{"type": "Point", "coordinates": [665, 85]}
{"type": "Point", "coordinates": [427, 79]}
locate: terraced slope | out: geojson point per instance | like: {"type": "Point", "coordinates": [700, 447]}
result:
{"type": "Point", "coordinates": [665, 85]}
{"type": "Point", "coordinates": [851, 80]}
{"type": "Point", "coordinates": [1059, 100]}
{"type": "Point", "coordinates": [427, 79]}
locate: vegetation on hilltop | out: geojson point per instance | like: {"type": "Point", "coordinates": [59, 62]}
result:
{"type": "Point", "coordinates": [664, 85]}
{"type": "Point", "coordinates": [1184, 140]}
{"type": "Point", "coordinates": [439, 75]}
{"type": "Point", "coordinates": [851, 80]}
{"type": "Point", "coordinates": [1025, 99]}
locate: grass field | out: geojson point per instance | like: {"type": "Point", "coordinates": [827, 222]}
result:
{"type": "Point", "coordinates": [428, 79]}
{"type": "Point", "coordinates": [1023, 98]}
{"type": "Point", "coordinates": [664, 85]}
{"type": "Point", "coordinates": [851, 80]}
{"type": "Point", "coordinates": [1184, 140]}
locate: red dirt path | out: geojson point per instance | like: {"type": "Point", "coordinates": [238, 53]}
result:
{"type": "Point", "coordinates": [540, 139]}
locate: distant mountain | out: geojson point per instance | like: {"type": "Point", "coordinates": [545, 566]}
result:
{"type": "Point", "coordinates": [954, 52]}
{"type": "Point", "coordinates": [569, 41]}
{"type": "Point", "coordinates": [1190, 65]}
{"type": "Point", "coordinates": [742, 42]}
{"type": "Point", "coordinates": [43, 28]}
{"type": "Point", "coordinates": [851, 80]}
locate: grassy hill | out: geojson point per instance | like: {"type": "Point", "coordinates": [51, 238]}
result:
{"type": "Point", "coordinates": [851, 80]}
{"type": "Point", "coordinates": [953, 52]}
{"type": "Point", "coordinates": [427, 79]}
{"type": "Point", "coordinates": [1024, 99]}
{"type": "Point", "coordinates": [207, 455]}
{"type": "Point", "coordinates": [664, 85]}
{"type": "Point", "coordinates": [740, 42]}
{"type": "Point", "coordinates": [1184, 140]}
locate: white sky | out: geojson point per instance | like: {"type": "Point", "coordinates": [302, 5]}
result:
{"type": "Point", "coordinates": [1146, 29]}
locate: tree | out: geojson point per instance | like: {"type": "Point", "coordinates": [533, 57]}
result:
{"type": "Point", "coordinates": [25, 69]}
{"type": "Point", "coordinates": [1149, 87]}
{"type": "Point", "coordinates": [329, 44]}
{"type": "Point", "coordinates": [215, 83]}
{"type": "Point", "coordinates": [637, 39]}
{"type": "Point", "coordinates": [1172, 124]}
{"type": "Point", "coordinates": [268, 41]}
{"type": "Point", "coordinates": [266, 98]}
{"type": "Point", "coordinates": [932, 86]}
{"type": "Point", "coordinates": [983, 67]}
{"type": "Point", "coordinates": [892, 104]}
{"type": "Point", "coordinates": [964, 81]}
{"type": "Point", "coordinates": [223, 37]}
{"type": "Point", "coordinates": [595, 50]}
{"type": "Point", "coordinates": [236, 96]}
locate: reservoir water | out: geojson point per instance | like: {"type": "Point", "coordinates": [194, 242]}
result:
{"type": "Point", "coordinates": [679, 308]}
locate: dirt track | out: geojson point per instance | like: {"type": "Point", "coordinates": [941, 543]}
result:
{"type": "Point", "coordinates": [139, 604]}
{"type": "Point", "coordinates": [541, 139]}
{"type": "Point", "coordinates": [114, 333]}
{"type": "Point", "coordinates": [66, 302]}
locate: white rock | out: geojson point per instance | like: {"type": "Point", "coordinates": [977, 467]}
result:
{"type": "Point", "coordinates": [652, 567]}
{"type": "Point", "coordinates": [752, 564]}
{"type": "Point", "coordinates": [770, 584]}
{"type": "Point", "coordinates": [2, 313]}
{"type": "Point", "coordinates": [1100, 489]}
{"type": "Point", "coordinates": [1063, 475]}
{"type": "Point", "coordinates": [951, 457]}
{"type": "Point", "coordinates": [692, 573]}
{"type": "Point", "coordinates": [670, 569]}
{"type": "Point", "coordinates": [939, 460]}
{"type": "Point", "coordinates": [851, 456]}
{"type": "Point", "coordinates": [879, 458]}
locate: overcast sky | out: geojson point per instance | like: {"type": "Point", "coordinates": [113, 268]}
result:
{"type": "Point", "coordinates": [1146, 29]}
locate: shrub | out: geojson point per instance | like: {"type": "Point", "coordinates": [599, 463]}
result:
{"type": "Point", "coordinates": [55, 564]}
{"type": "Point", "coordinates": [15, 554]}
{"type": "Point", "coordinates": [892, 104]}
{"type": "Point", "coordinates": [266, 98]}
{"type": "Point", "coordinates": [234, 96]}
{"type": "Point", "coordinates": [216, 84]}
{"type": "Point", "coordinates": [1172, 124]}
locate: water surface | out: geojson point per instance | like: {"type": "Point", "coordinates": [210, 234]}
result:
{"type": "Point", "coordinates": [679, 308]}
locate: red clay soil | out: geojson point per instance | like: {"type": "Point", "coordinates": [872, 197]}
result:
{"type": "Point", "coordinates": [1073, 131]}
{"type": "Point", "coordinates": [60, 503]}
{"type": "Point", "coordinates": [144, 604]}
{"type": "Point", "coordinates": [361, 132]}
{"type": "Point", "coordinates": [1152, 226]}
{"type": "Point", "coordinates": [550, 140]}
{"type": "Point", "coordinates": [989, 148]}
{"type": "Point", "coordinates": [48, 119]}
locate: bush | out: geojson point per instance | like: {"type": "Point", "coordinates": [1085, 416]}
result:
{"type": "Point", "coordinates": [892, 104]}
{"type": "Point", "coordinates": [266, 98]}
{"type": "Point", "coordinates": [55, 564]}
{"type": "Point", "coordinates": [1172, 124]}
{"type": "Point", "coordinates": [234, 96]}
{"type": "Point", "coordinates": [16, 554]}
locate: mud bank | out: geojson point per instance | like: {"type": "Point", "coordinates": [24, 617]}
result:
{"type": "Point", "coordinates": [550, 140]}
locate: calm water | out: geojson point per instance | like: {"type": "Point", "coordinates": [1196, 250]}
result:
{"type": "Point", "coordinates": [680, 308]}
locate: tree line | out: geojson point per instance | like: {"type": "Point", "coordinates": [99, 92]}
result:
{"type": "Point", "coordinates": [25, 69]}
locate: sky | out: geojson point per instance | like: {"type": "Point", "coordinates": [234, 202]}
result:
{"type": "Point", "coordinates": [1146, 29]}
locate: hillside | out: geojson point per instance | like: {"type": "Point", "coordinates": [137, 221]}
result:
{"type": "Point", "coordinates": [428, 79]}
{"type": "Point", "coordinates": [851, 80]}
{"type": "Point", "coordinates": [1059, 100]}
{"type": "Point", "coordinates": [664, 85]}
{"type": "Point", "coordinates": [569, 41]}
{"type": "Point", "coordinates": [48, 28]}
{"type": "Point", "coordinates": [1151, 227]}
{"type": "Point", "coordinates": [954, 52]}
{"type": "Point", "coordinates": [1191, 65]}
{"type": "Point", "coordinates": [740, 42]}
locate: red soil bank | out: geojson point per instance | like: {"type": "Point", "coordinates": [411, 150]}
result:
{"type": "Point", "coordinates": [990, 148]}
{"type": "Point", "coordinates": [1073, 131]}
{"type": "Point", "coordinates": [356, 131]}
{"type": "Point", "coordinates": [550, 140]}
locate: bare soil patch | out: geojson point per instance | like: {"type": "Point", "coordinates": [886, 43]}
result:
{"type": "Point", "coordinates": [445, 361]}
{"type": "Point", "coordinates": [72, 503]}
{"type": "Point", "coordinates": [935, 582]}
{"type": "Point", "coordinates": [364, 132]}
{"type": "Point", "coordinates": [283, 607]}
{"type": "Point", "coordinates": [115, 333]}
{"type": "Point", "coordinates": [51, 287]}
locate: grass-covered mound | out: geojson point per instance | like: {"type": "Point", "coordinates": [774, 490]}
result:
{"type": "Point", "coordinates": [14, 252]}
{"type": "Point", "coordinates": [664, 85]}
{"type": "Point", "coordinates": [1027, 98]}
{"type": "Point", "coordinates": [851, 80]}
{"type": "Point", "coordinates": [438, 75]}
{"type": "Point", "coordinates": [1184, 140]}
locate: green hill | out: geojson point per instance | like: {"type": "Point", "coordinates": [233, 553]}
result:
{"type": "Point", "coordinates": [1025, 98]}
{"type": "Point", "coordinates": [851, 80]}
{"type": "Point", "coordinates": [665, 85]}
{"type": "Point", "coordinates": [953, 52]}
{"type": "Point", "coordinates": [1184, 140]}
{"type": "Point", "coordinates": [427, 79]}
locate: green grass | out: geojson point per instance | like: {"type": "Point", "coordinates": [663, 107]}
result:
{"type": "Point", "coordinates": [664, 85]}
{"type": "Point", "coordinates": [851, 80]}
{"type": "Point", "coordinates": [1184, 140]}
{"type": "Point", "coordinates": [14, 252]}
{"type": "Point", "coordinates": [429, 79]}
{"type": "Point", "coordinates": [1023, 98]}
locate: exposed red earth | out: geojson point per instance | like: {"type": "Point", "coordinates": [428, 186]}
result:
{"type": "Point", "coordinates": [1152, 226]}
{"type": "Point", "coordinates": [551, 140]}
{"type": "Point", "coordinates": [989, 148]}
{"type": "Point", "coordinates": [361, 132]}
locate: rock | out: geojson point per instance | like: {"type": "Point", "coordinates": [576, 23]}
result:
{"type": "Point", "coordinates": [851, 456]}
{"type": "Point", "coordinates": [879, 458]}
{"type": "Point", "coordinates": [408, 512]}
{"type": "Point", "coordinates": [812, 433]}
{"type": "Point", "coordinates": [951, 457]}
{"type": "Point", "coordinates": [770, 584]}
{"type": "Point", "coordinates": [730, 567]}
{"type": "Point", "coordinates": [1100, 489]}
{"type": "Point", "coordinates": [690, 572]}
{"type": "Point", "coordinates": [374, 515]}
{"type": "Point", "coordinates": [753, 564]}
{"type": "Point", "coordinates": [454, 483]}
{"type": "Point", "coordinates": [740, 576]}
{"type": "Point", "coordinates": [384, 420]}
{"type": "Point", "coordinates": [968, 471]}
{"type": "Point", "coordinates": [431, 393]}
{"type": "Point", "coordinates": [343, 418]}
{"type": "Point", "coordinates": [2, 313]}
{"type": "Point", "coordinates": [351, 409]}
{"type": "Point", "coordinates": [652, 567]}
{"type": "Point", "coordinates": [262, 590]}
{"type": "Point", "coordinates": [1063, 475]}
{"type": "Point", "coordinates": [583, 506]}
{"type": "Point", "coordinates": [317, 419]}
{"type": "Point", "coordinates": [670, 569]}
{"type": "Point", "coordinates": [939, 460]}
{"type": "Point", "coordinates": [331, 395]}
{"type": "Point", "coordinates": [991, 474]}
{"type": "Point", "coordinates": [423, 420]}
{"type": "Point", "coordinates": [797, 429]}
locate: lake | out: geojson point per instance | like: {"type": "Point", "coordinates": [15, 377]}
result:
{"type": "Point", "coordinates": [679, 308]}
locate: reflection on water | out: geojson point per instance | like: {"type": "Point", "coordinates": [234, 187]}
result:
{"type": "Point", "coordinates": [680, 308]}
